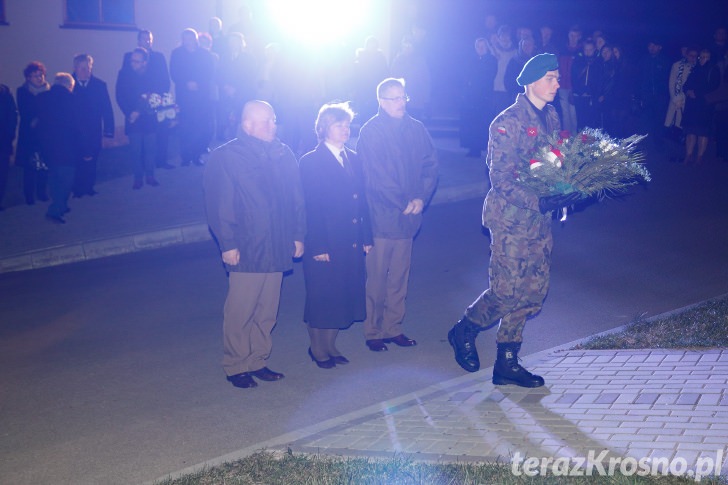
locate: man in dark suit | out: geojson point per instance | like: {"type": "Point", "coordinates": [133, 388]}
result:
{"type": "Point", "coordinates": [60, 142]}
{"type": "Point", "coordinates": [95, 117]}
{"type": "Point", "coordinates": [159, 78]}
{"type": "Point", "coordinates": [192, 69]}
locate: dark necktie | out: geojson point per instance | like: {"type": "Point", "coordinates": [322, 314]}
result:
{"type": "Point", "coordinates": [345, 162]}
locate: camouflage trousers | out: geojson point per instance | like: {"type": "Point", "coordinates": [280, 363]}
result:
{"type": "Point", "coordinates": [520, 264]}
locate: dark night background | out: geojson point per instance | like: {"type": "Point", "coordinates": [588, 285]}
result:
{"type": "Point", "coordinates": [453, 25]}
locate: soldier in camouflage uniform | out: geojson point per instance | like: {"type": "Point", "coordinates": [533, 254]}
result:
{"type": "Point", "coordinates": [519, 222]}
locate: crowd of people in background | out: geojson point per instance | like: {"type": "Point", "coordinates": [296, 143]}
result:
{"type": "Point", "coordinates": [683, 96]}
{"type": "Point", "coordinates": [199, 95]}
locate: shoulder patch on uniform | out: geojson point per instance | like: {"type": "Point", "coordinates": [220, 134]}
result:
{"type": "Point", "coordinates": [532, 131]}
{"type": "Point", "coordinates": [501, 130]}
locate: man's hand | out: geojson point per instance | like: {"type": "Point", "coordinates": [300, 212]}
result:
{"type": "Point", "coordinates": [231, 257]}
{"type": "Point", "coordinates": [133, 116]}
{"type": "Point", "coordinates": [367, 248]}
{"type": "Point", "coordinates": [324, 258]}
{"type": "Point", "coordinates": [553, 202]}
{"type": "Point", "coordinates": [414, 207]}
{"type": "Point", "coordinates": [298, 251]}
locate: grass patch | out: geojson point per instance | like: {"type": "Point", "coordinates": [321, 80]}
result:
{"type": "Point", "coordinates": [702, 326]}
{"type": "Point", "coordinates": [288, 468]}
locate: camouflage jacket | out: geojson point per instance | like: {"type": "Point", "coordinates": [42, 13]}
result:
{"type": "Point", "coordinates": [514, 134]}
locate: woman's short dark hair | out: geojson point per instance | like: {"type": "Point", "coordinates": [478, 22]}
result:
{"type": "Point", "coordinates": [329, 114]}
{"type": "Point", "coordinates": [32, 67]}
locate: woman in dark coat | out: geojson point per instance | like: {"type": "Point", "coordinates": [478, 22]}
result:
{"type": "Point", "coordinates": [697, 118]}
{"type": "Point", "coordinates": [338, 235]}
{"type": "Point", "coordinates": [34, 178]}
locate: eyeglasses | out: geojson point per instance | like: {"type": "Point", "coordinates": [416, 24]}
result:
{"type": "Point", "coordinates": [397, 98]}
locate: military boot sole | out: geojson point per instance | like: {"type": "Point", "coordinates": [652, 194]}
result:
{"type": "Point", "coordinates": [504, 381]}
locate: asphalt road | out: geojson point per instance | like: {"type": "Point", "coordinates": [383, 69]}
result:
{"type": "Point", "coordinates": [111, 368]}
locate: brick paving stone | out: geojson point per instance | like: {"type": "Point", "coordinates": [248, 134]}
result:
{"type": "Point", "coordinates": [653, 412]}
{"type": "Point", "coordinates": [710, 399]}
{"type": "Point", "coordinates": [637, 408]}
{"type": "Point", "coordinates": [688, 399]}
{"type": "Point", "coordinates": [646, 398]}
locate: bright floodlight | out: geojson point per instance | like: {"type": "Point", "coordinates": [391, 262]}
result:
{"type": "Point", "coordinates": [318, 22]}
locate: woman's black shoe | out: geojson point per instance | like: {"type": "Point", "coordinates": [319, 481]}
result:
{"type": "Point", "coordinates": [324, 364]}
{"type": "Point", "coordinates": [339, 359]}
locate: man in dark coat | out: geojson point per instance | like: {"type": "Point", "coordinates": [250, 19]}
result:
{"type": "Point", "coordinates": [60, 142]}
{"type": "Point", "coordinates": [256, 213]}
{"type": "Point", "coordinates": [520, 229]}
{"type": "Point", "coordinates": [193, 69]}
{"type": "Point", "coordinates": [8, 127]}
{"type": "Point", "coordinates": [586, 80]}
{"type": "Point", "coordinates": [400, 172]}
{"type": "Point", "coordinates": [159, 75]}
{"type": "Point", "coordinates": [476, 108]}
{"type": "Point", "coordinates": [653, 88]}
{"type": "Point", "coordinates": [96, 120]}
{"type": "Point", "coordinates": [133, 89]}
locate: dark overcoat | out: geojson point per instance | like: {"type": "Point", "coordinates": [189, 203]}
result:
{"type": "Point", "coordinates": [338, 224]}
{"type": "Point", "coordinates": [254, 203]}
{"type": "Point", "coordinates": [95, 114]}
{"type": "Point", "coordinates": [28, 138]}
{"type": "Point", "coordinates": [58, 127]}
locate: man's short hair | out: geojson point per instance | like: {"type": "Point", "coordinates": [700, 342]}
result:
{"type": "Point", "coordinates": [329, 114]}
{"type": "Point", "coordinates": [390, 82]}
{"type": "Point", "coordinates": [79, 58]}
{"type": "Point", "coordinates": [64, 79]}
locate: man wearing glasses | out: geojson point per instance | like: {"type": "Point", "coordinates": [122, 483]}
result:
{"type": "Point", "coordinates": [400, 171]}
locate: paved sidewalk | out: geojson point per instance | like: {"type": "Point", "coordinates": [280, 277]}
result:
{"type": "Point", "coordinates": [120, 220]}
{"type": "Point", "coordinates": [666, 406]}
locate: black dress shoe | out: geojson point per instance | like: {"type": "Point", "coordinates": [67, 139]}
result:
{"type": "Point", "coordinates": [265, 374]}
{"type": "Point", "coordinates": [339, 359]}
{"type": "Point", "coordinates": [400, 340]}
{"type": "Point", "coordinates": [376, 345]}
{"type": "Point", "coordinates": [242, 380]}
{"type": "Point", "coordinates": [324, 364]}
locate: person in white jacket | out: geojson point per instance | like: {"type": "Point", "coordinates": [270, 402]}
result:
{"type": "Point", "coordinates": [678, 75]}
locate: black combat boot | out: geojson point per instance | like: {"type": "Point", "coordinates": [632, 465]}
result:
{"type": "Point", "coordinates": [462, 338]}
{"type": "Point", "coordinates": [507, 370]}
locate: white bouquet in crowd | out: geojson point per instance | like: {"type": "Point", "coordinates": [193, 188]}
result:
{"type": "Point", "coordinates": [163, 106]}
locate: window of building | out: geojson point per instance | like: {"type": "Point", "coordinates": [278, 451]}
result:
{"type": "Point", "coordinates": [2, 13]}
{"type": "Point", "coordinates": [99, 14]}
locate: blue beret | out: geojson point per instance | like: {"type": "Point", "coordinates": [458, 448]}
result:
{"type": "Point", "coordinates": [536, 68]}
